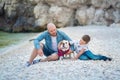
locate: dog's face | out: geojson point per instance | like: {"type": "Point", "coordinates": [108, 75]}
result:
{"type": "Point", "coordinates": [64, 45]}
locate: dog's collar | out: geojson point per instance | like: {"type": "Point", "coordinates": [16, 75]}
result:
{"type": "Point", "coordinates": [64, 51]}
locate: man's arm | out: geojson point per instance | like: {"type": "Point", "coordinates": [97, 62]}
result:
{"type": "Point", "coordinates": [66, 37]}
{"type": "Point", "coordinates": [38, 39]}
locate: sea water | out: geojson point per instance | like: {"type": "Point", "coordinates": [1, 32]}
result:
{"type": "Point", "coordinates": [8, 40]}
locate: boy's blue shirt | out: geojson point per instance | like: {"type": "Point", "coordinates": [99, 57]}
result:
{"type": "Point", "coordinates": [48, 42]}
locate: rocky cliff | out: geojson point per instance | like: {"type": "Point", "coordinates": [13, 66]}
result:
{"type": "Point", "coordinates": [33, 15]}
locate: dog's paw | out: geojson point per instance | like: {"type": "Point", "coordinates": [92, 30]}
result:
{"type": "Point", "coordinates": [61, 58]}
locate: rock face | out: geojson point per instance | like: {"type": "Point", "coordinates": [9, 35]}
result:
{"type": "Point", "coordinates": [33, 15]}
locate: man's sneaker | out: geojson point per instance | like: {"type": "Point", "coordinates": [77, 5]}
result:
{"type": "Point", "coordinates": [36, 61]}
{"type": "Point", "coordinates": [27, 64]}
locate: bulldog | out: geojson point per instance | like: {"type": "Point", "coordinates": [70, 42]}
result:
{"type": "Point", "coordinates": [63, 49]}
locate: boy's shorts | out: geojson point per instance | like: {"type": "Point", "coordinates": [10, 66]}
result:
{"type": "Point", "coordinates": [48, 52]}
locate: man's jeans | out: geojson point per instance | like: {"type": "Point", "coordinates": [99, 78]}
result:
{"type": "Point", "coordinates": [88, 55]}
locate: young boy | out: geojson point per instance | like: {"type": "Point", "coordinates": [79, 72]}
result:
{"type": "Point", "coordinates": [83, 53]}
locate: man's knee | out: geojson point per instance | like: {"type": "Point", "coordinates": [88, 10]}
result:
{"type": "Point", "coordinates": [37, 51]}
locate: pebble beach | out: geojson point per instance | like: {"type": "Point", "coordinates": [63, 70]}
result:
{"type": "Point", "coordinates": [104, 40]}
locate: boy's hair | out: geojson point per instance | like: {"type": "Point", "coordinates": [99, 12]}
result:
{"type": "Point", "coordinates": [86, 38]}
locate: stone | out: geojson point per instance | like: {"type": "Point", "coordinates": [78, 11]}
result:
{"type": "Point", "coordinates": [72, 3]}
{"type": "Point", "coordinates": [40, 10]}
{"type": "Point", "coordinates": [62, 13]}
{"type": "Point", "coordinates": [99, 17]}
{"type": "Point", "coordinates": [117, 5]}
{"type": "Point", "coordinates": [61, 20]}
{"type": "Point", "coordinates": [2, 11]}
{"type": "Point", "coordinates": [90, 14]}
{"type": "Point", "coordinates": [41, 22]}
{"type": "Point", "coordinates": [81, 16]}
{"type": "Point", "coordinates": [116, 14]}
{"type": "Point", "coordinates": [18, 26]}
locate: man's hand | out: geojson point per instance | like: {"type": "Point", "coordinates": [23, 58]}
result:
{"type": "Point", "coordinates": [40, 52]}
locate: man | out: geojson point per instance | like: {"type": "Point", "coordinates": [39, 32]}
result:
{"type": "Point", "coordinates": [52, 37]}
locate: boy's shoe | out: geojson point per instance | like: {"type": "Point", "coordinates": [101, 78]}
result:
{"type": "Point", "coordinates": [36, 61]}
{"type": "Point", "coordinates": [27, 64]}
{"type": "Point", "coordinates": [109, 59]}
{"type": "Point", "coordinates": [61, 58]}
